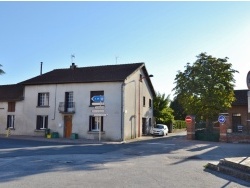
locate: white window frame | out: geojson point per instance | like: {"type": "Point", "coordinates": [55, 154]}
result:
{"type": "Point", "coordinates": [43, 122]}
{"type": "Point", "coordinates": [43, 99]}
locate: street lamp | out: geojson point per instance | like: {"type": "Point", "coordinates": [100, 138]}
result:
{"type": "Point", "coordinates": [139, 103]}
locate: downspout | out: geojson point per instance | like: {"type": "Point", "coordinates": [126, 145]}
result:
{"type": "Point", "coordinates": [122, 112]}
{"type": "Point", "coordinates": [55, 103]}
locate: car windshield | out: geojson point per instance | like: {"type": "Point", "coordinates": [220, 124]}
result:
{"type": "Point", "coordinates": [159, 126]}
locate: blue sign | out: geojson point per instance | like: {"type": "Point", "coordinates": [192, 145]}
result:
{"type": "Point", "coordinates": [222, 119]}
{"type": "Point", "coordinates": [98, 98]}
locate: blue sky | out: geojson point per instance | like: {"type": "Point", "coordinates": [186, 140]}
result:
{"type": "Point", "coordinates": [164, 35]}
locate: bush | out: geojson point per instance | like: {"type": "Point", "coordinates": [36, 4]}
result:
{"type": "Point", "coordinates": [205, 135]}
{"type": "Point", "coordinates": [179, 124]}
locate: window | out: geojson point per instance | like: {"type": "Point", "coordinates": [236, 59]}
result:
{"type": "Point", "coordinates": [95, 122]}
{"type": "Point", "coordinates": [43, 99]}
{"type": "Point", "coordinates": [95, 93]}
{"type": "Point", "coordinates": [10, 121]}
{"type": "Point", "coordinates": [69, 100]}
{"type": "Point", "coordinates": [149, 103]}
{"type": "Point", "coordinates": [11, 106]}
{"type": "Point", "coordinates": [144, 101]}
{"type": "Point", "coordinates": [41, 122]}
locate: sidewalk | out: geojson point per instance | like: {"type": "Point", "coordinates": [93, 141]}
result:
{"type": "Point", "coordinates": [87, 141]}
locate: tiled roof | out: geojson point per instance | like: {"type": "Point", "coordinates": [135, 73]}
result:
{"type": "Point", "coordinates": [241, 97]}
{"type": "Point", "coordinates": [10, 93]}
{"type": "Point", "coordinates": [106, 73]}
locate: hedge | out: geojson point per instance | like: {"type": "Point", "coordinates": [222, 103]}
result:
{"type": "Point", "coordinates": [179, 124]}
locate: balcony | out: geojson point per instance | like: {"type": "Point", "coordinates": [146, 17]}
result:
{"type": "Point", "coordinates": [66, 108]}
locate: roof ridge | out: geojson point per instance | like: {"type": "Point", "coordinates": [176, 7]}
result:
{"type": "Point", "coordinates": [106, 65]}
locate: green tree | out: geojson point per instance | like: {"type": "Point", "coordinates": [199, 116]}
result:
{"type": "Point", "coordinates": [205, 88]}
{"type": "Point", "coordinates": [162, 112]}
{"type": "Point", "coordinates": [179, 113]}
{"type": "Point", "coordinates": [1, 71]}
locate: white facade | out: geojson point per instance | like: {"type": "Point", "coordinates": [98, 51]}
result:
{"type": "Point", "coordinates": [127, 117]}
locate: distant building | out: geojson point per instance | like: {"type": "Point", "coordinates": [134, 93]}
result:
{"type": "Point", "coordinates": [238, 114]}
{"type": "Point", "coordinates": [113, 100]}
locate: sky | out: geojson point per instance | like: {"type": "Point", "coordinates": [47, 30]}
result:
{"type": "Point", "coordinates": [165, 35]}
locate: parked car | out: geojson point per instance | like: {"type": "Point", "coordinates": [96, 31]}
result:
{"type": "Point", "coordinates": [160, 129]}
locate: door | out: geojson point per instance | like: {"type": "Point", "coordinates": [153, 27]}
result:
{"type": "Point", "coordinates": [67, 126]}
{"type": "Point", "coordinates": [144, 126]}
{"type": "Point", "coordinates": [236, 121]}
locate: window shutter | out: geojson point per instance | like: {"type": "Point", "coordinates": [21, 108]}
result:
{"type": "Point", "coordinates": [90, 119]}
{"type": "Point", "coordinates": [102, 123]}
{"type": "Point", "coordinates": [46, 122]}
{"type": "Point", "coordinates": [38, 122]}
{"type": "Point", "coordinates": [38, 100]}
{"type": "Point", "coordinates": [8, 121]}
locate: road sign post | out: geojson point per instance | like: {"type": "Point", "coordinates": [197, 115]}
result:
{"type": "Point", "coordinates": [190, 123]}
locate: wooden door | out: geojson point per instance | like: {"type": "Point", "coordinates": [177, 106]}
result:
{"type": "Point", "coordinates": [67, 126]}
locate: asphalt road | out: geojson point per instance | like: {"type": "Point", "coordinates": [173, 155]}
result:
{"type": "Point", "coordinates": [170, 161]}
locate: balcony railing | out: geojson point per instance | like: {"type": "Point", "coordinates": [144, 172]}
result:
{"type": "Point", "coordinates": [67, 108]}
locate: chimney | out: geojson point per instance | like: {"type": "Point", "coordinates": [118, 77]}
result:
{"type": "Point", "coordinates": [73, 66]}
{"type": "Point", "coordinates": [41, 68]}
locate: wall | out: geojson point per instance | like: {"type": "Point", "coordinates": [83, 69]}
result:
{"type": "Point", "coordinates": [80, 120]}
{"type": "Point", "coordinates": [133, 110]}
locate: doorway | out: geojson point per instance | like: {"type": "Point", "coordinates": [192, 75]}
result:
{"type": "Point", "coordinates": [67, 126]}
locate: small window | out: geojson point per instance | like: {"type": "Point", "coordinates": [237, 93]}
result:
{"type": "Point", "coordinates": [11, 106]}
{"type": "Point", "coordinates": [149, 103]}
{"type": "Point", "coordinates": [10, 121]}
{"type": "Point", "coordinates": [41, 122]}
{"type": "Point", "coordinates": [43, 99]}
{"type": "Point", "coordinates": [144, 101]}
{"type": "Point", "coordinates": [95, 123]}
{"type": "Point", "coordinates": [95, 93]}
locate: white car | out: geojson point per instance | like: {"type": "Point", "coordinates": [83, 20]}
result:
{"type": "Point", "coordinates": [160, 129]}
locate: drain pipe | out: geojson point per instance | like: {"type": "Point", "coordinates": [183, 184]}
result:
{"type": "Point", "coordinates": [122, 113]}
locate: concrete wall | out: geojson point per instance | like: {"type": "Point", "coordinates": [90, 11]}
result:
{"type": "Point", "coordinates": [134, 111]}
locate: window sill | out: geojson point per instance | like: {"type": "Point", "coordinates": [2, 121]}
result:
{"type": "Point", "coordinates": [42, 106]}
{"type": "Point", "coordinates": [11, 128]}
{"type": "Point", "coordinates": [39, 130]}
{"type": "Point", "coordinates": [96, 132]}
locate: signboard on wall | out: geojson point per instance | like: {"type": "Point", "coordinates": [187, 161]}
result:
{"type": "Point", "coordinates": [248, 95]}
{"type": "Point", "coordinates": [248, 80]}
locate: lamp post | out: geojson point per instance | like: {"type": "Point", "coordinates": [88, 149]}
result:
{"type": "Point", "coordinates": [139, 103]}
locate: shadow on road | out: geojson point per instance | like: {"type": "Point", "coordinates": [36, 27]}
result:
{"type": "Point", "coordinates": [28, 157]}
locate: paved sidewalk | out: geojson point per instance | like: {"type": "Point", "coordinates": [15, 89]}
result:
{"type": "Point", "coordinates": [88, 141]}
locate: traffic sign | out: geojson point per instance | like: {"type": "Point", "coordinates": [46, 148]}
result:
{"type": "Point", "coordinates": [221, 119]}
{"type": "Point", "coordinates": [188, 119]}
{"type": "Point", "coordinates": [100, 115]}
{"type": "Point", "coordinates": [97, 111]}
{"type": "Point", "coordinates": [100, 107]}
{"type": "Point", "coordinates": [98, 98]}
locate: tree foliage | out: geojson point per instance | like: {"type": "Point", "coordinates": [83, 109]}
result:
{"type": "Point", "coordinates": [178, 111]}
{"type": "Point", "coordinates": [1, 71]}
{"type": "Point", "coordinates": [162, 112]}
{"type": "Point", "coordinates": [206, 87]}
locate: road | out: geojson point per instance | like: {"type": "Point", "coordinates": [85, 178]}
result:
{"type": "Point", "coordinates": [171, 161]}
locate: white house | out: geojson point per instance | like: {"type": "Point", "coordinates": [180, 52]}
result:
{"type": "Point", "coordinates": [112, 102]}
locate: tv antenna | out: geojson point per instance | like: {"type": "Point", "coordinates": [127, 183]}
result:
{"type": "Point", "coordinates": [116, 57]}
{"type": "Point", "coordinates": [72, 58]}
